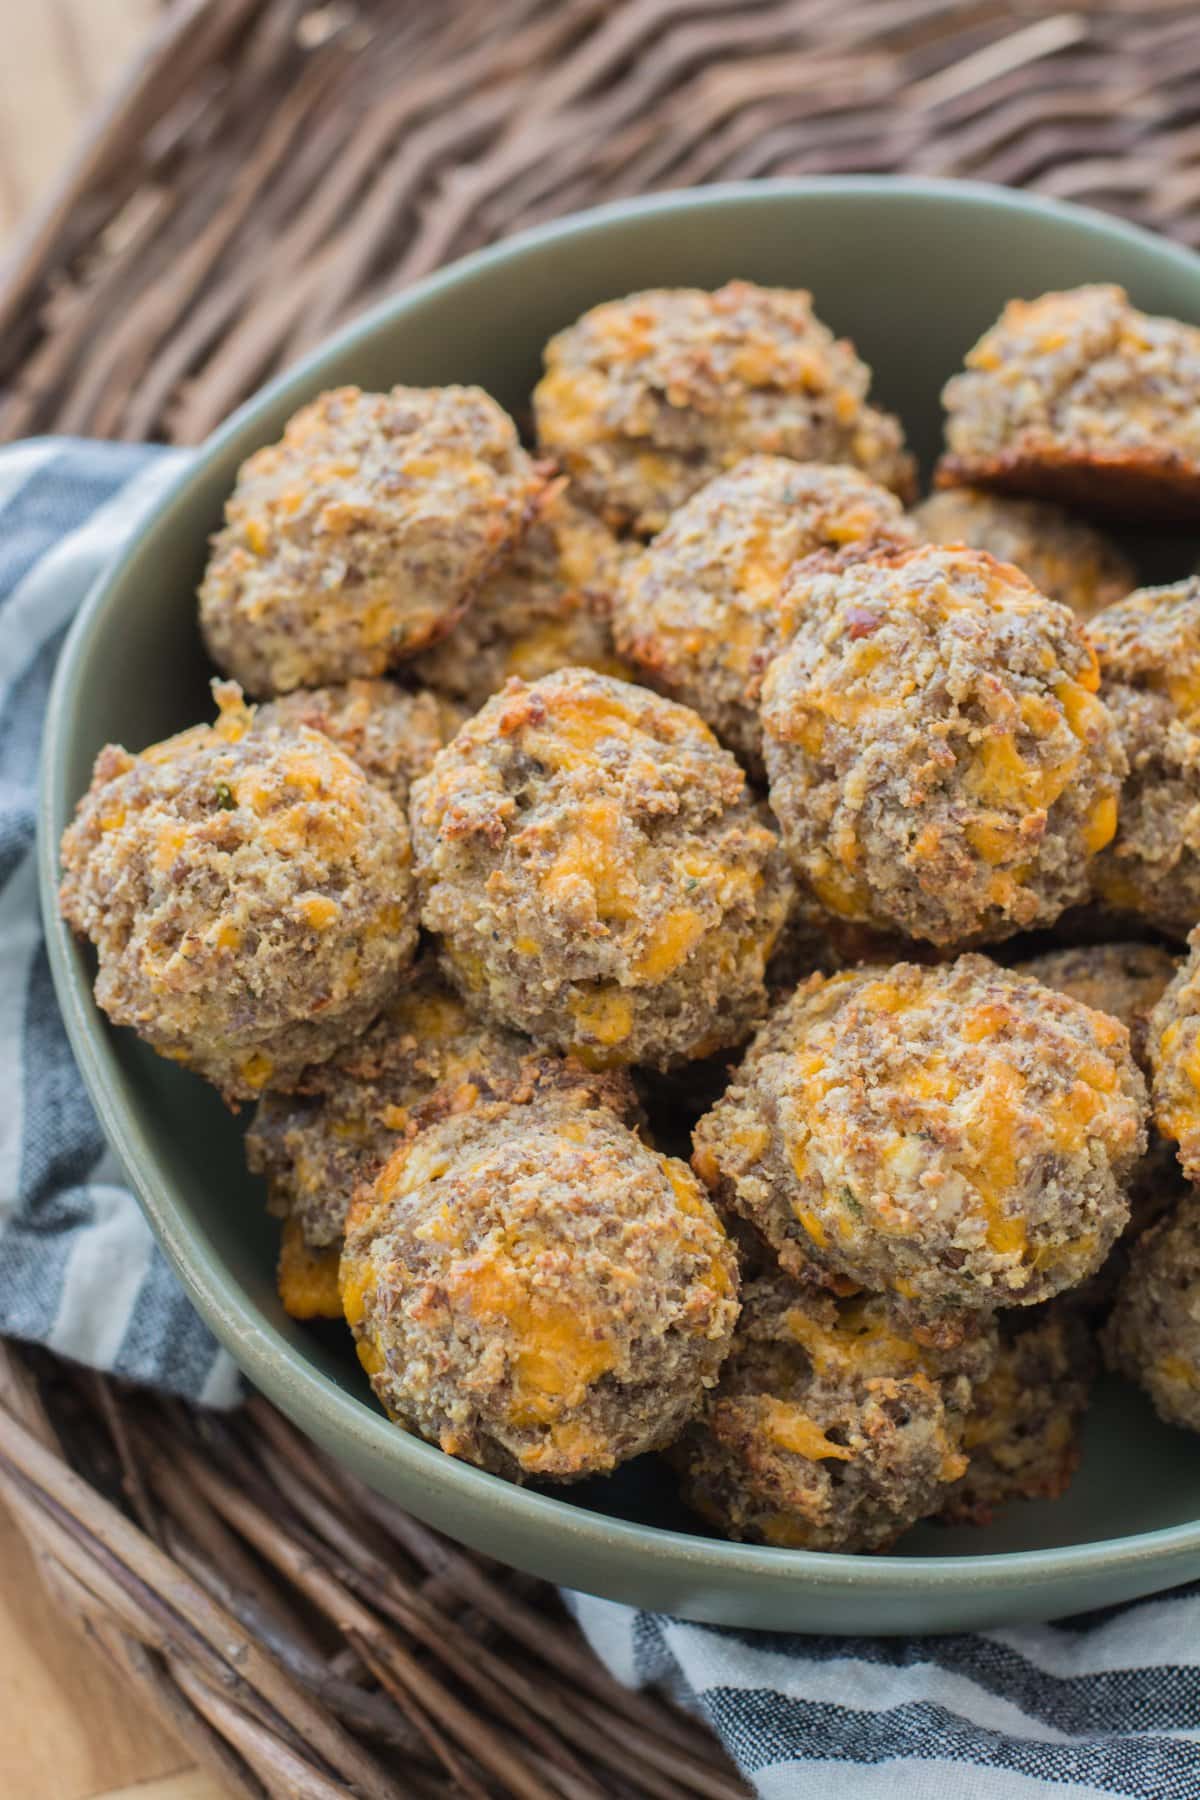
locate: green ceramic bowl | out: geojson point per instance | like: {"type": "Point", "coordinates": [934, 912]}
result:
{"type": "Point", "coordinates": [912, 271]}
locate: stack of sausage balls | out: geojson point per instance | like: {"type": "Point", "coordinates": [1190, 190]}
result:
{"type": "Point", "coordinates": [675, 778]}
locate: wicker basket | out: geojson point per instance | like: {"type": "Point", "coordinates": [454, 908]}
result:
{"type": "Point", "coordinates": [266, 169]}
{"type": "Point", "coordinates": [299, 1635]}
{"type": "Point", "coordinates": [269, 167]}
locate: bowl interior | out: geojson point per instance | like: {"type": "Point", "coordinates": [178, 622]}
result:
{"type": "Point", "coordinates": [912, 273]}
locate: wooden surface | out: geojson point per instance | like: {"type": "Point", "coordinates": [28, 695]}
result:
{"type": "Point", "coordinates": [67, 1728]}
{"type": "Point", "coordinates": [59, 56]}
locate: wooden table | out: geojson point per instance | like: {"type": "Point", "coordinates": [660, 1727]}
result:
{"type": "Point", "coordinates": [59, 57]}
{"type": "Point", "coordinates": [68, 1731]}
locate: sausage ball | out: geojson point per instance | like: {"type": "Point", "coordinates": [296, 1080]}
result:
{"type": "Point", "coordinates": [1066, 559]}
{"type": "Point", "coordinates": [546, 609]}
{"type": "Point", "coordinates": [1174, 1047]}
{"type": "Point", "coordinates": [706, 607]}
{"type": "Point", "coordinates": [1022, 1434]}
{"type": "Point", "coordinates": [423, 1055]}
{"type": "Point", "coordinates": [362, 535]}
{"type": "Point", "coordinates": [1153, 1336]}
{"type": "Point", "coordinates": [832, 1427]}
{"type": "Point", "coordinates": [1079, 397]}
{"type": "Point", "coordinates": [249, 894]}
{"type": "Point", "coordinates": [534, 1290]}
{"type": "Point", "coordinates": [598, 872]}
{"type": "Point", "coordinates": [1149, 650]}
{"type": "Point", "coordinates": [938, 759]}
{"type": "Point", "coordinates": [1126, 980]}
{"type": "Point", "coordinates": [647, 398]}
{"type": "Point", "coordinates": [958, 1135]}
{"type": "Point", "coordinates": [393, 735]}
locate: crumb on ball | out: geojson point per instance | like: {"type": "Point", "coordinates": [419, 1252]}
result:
{"type": "Point", "coordinates": [1066, 559]}
{"type": "Point", "coordinates": [938, 758]}
{"type": "Point", "coordinates": [956, 1135]}
{"type": "Point", "coordinates": [832, 1426]}
{"type": "Point", "coordinates": [599, 873]}
{"type": "Point", "coordinates": [645, 399]}
{"type": "Point", "coordinates": [536, 1291]}
{"type": "Point", "coordinates": [1078, 397]}
{"type": "Point", "coordinates": [363, 535]}
{"type": "Point", "coordinates": [249, 894]}
{"type": "Point", "coordinates": [705, 608]}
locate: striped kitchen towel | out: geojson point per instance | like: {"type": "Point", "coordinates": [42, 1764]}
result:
{"type": "Point", "coordinates": [1104, 1705]}
{"type": "Point", "coordinates": [1108, 1705]}
{"type": "Point", "coordinates": [79, 1268]}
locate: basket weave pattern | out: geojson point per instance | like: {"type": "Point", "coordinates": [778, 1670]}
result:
{"type": "Point", "coordinates": [302, 1637]}
{"type": "Point", "coordinates": [271, 166]}
{"type": "Point", "coordinates": [268, 168]}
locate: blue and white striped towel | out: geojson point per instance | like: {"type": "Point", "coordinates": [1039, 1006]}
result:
{"type": "Point", "coordinates": [1108, 1705]}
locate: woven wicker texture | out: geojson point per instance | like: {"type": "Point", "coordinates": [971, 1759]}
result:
{"type": "Point", "coordinates": [303, 1638]}
{"type": "Point", "coordinates": [268, 168]}
{"type": "Point", "coordinates": [271, 166]}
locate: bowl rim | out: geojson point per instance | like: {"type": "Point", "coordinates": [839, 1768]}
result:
{"type": "Point", "coordinates": [281, 1369]}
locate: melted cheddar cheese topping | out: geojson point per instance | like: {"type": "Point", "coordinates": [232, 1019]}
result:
{"type": "Point", "coordinates": [860, 1342]}
{"type": "Point", "coordinates": [559, 1349]}
{"type": "Point", "coordinates": [603, 1015]}
{"type": "Point", "coordinates": [791, 1429]}
{"type": "Point", "coordinates": [593, 856]}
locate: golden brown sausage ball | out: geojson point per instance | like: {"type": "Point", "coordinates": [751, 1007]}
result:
{"type": "Point", "coordinates": [393, 735]}
{"type": "Point", "coordinates": [1153, 1336]}
{"type": "Point", "coordinates": [958, 1135]}
{"type": "Point", "coordinates": [534, 1290]}
{"type": "Point", "coordinates": [545, 609]}
{"type": "Point", "coordinates": [647, 398]}
{"type": "Point", "coordinates": [1079, 397]}
{"type": "Point", "coordinates": [1149, 650]}
{"type": "Point", "coordinates": [938, 759]}
{"type": "Point", "coordinates": [1022, 1434]}
{"type": "Point", "coordinates": [423, 1056]}
{"type": "Point", "coordinates": [832, 1427]}
{"type": "Point", "coordinates": [1066, 559]}
{"type": "Point", "coordinates": [249, 893]}
{"type": "Point", "coordinates": [705, 609]}
{"type": "Point", "coordinates": [598, 872]}
{"type": "Point", "coordinates": [363, 534]}
{"type": "Point", "coordinates": [1126, 980]}
{"type": "Point", "coordinates": [1174, 1045]}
